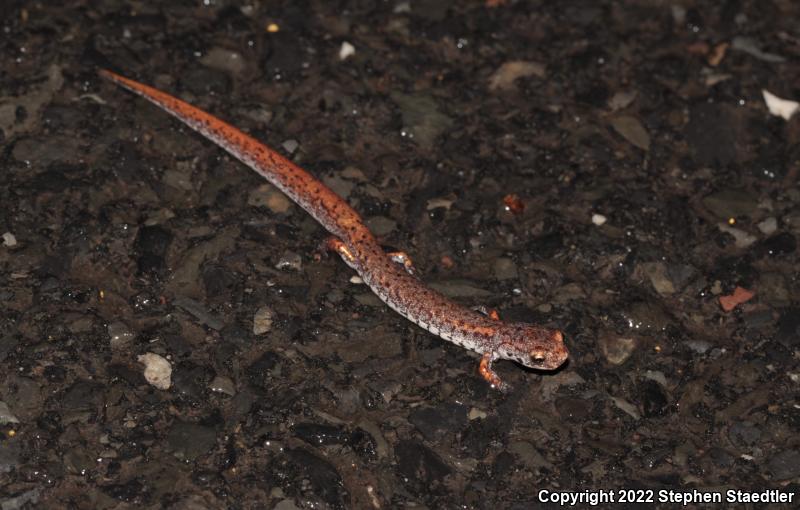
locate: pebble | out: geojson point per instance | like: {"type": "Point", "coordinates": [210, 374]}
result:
{"type": "Point", "coordinates": [750, 46]}
{"type": "Point", "coordinates": [780, 107]}
{"type": "Point", "coordinates": [9, 240]}
{"type": "Point", "coordinates": [626, 407]}
{"type": "Point", "coordinates": [338, 184]}
{"type": "Point", "coordinates": [381, 225]}
{"type": "Point", "coordinates": [622, 99]}
{"type": "Point", "coordinates": [529, 455]}
{"type": "Point", "coordinates": [657, 274]}
{"type": "Point", "coordinates": [262, 320]}
{"type": "Point", "coordinates": [290, 145]}
{"type": "Point", "coordinates": [319, 475]}
{"type": "Point", "coordinates": [632, 130]}
{"type": "Point", "coordinates": [10, 456]}
{"type": "Point", "coordinates": [574, 409]}
{"type": "Point", "coordinates": [270, 197]}
{"type": "Point", "coordinates": [698, 346]}
{"type": "Point", "coordinates": [224, 60]}
{"type": "Point", "coordinates": [120, 335]}
{"type": "Point", "coordinates": [505, 269]}
{"type": "Point", "coordinates": [222, 384]}
{"type": "Point", "coordinates": [654, 400]}
{"type": "Point", "coordinates": [21, 500]}
{"type": "Point", "coordinates": [476, 414]}
{"type": "Point", "coordinates": [768, 226]}
{"type": "Point", "coordinates": [6, 416]}
{"type": "Point", "coordinates": [198, 311]}
{"type": "Point", "coordinates": [617, 349]}
{"type": "Point", "coordinates": [459, 289]}
{"type": "Point", "coordinates": [318, 434]}
{"type": "Point", "coordinates": [646, 316]}
{"type": "Point", "coordinates": [785, 465]}
{"type": "Point", "coordinates": [657, 376]}
{"type": "Point", "coordinates": [598, 219]}
{"type": "Point", "coordinates": [157, 370]}
{"type": "Point", "coordinates": [290, 260]}
{"type": "Point", "coordinates": [740, 295]}
{"type": "Point", "coordinates": [423, 120]}
{"type": "Point", "coordinates": [506, 75]}
{"type": "Point", "coordinates": [443, 419]}
{"type": "Point", "coordinates": [744, 433]}
{"type": "Point", "coordinates": [190, 440]}
{"type": "Point", "coordinates": [346, 50]}
{"type": "Point", "coordinates": [731, 203]}
{"type": "Point", "coordinates": [286, 504]}
{"type": "Point", "coordinates": [419, 464]}
{"type": "Point", "coordinates": [742, 238]}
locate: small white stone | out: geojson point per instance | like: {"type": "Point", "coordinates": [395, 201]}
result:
{"type": "Point", "coordinates": [290, 260]}
{"type": "Point", "coordinates": [780, 107]}
{"type": "Point", "coordinates": [768, 226]}
{"type": "Point", "coordinates": [598, 219]}
{"type": "Point", "coordinates": [290, 145]}
{"type": "Point", "coordinates": [9, 239]}
{"type": "Point", "coordinates": [476, 413]}
{"type": "Point", "coordinates": [346, 50]}
{"type": "Point", "coordinates": [356, 280]}
{"type": "Point", "coordinates": [157, 370]}
{"type": "Point", "coordinates": [742, 238]}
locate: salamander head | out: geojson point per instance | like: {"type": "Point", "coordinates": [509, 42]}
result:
{"type": "Point", "coordinates": [532, 346]}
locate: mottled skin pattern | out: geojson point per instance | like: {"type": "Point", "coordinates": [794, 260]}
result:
{"type": "Point", "coordinates": [530, 345]}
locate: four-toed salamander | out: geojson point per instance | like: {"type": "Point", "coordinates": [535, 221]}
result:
{"type": "Point", "coordinates": [389, 275]}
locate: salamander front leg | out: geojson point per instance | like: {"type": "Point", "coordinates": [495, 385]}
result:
{"type": "Point", "coordinates": [485, 369]}
{"type": "Point", "coordinates": [489, 312]}
{"type": "Point", "coordinates": [404, 260]}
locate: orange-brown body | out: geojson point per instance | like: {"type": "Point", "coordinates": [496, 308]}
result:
{"type": "Point", "coordinates": [532, 346]}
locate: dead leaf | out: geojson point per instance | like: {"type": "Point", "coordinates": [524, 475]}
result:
{"type": "Point", "coordinates": [507, 73]}
{"type": "Point", "coordinates": [717, 54]}
{"type": "Point", "coordinates": [632, 130]}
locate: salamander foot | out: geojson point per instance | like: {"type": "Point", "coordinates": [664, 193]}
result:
{"type": "Point", "coordinates": [404, 260]}
{"type": "Point", "coordinates": [485, 369]}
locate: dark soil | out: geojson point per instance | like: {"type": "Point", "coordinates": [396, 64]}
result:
{"type": "Point", "coordinates": [607, 168]}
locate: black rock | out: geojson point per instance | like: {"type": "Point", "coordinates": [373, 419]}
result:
{"type": "Point", "coordinates": [323, 476]}
{"type": "Point", "coordinates": [419, 463]}
{"type": "Point", "coordinates": [432, 421]}
{"type": "Point", "coordinates": [190, 440]}
{"type": "Point", "coordinates": [784, 465]}
{"type": "Point", "coordinates": [654, 400]}
{"type": "Point", "coordinates": [317, 434]}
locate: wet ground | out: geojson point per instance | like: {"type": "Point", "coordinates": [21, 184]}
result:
{"type": "Point", "coordinates": [169, 338]}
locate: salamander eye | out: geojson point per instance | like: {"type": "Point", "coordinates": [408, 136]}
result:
{"type": "Point", "coordinates": [538, 354]}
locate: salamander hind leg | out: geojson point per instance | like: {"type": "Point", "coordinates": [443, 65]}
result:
{"type": "Point", "coordinates": [485, 369]}
{"type": "Point", "coordinates": [404, 260]}
{"type": "Point", "coordinates": [336, 245]}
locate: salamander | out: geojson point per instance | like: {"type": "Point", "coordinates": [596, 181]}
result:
{"type": "Point", "coordinates": [391, 276]}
